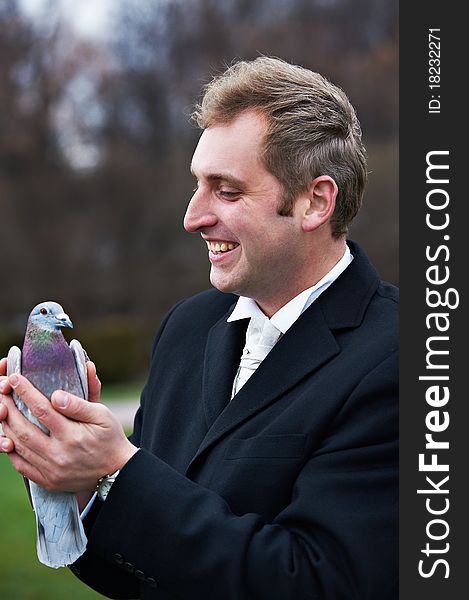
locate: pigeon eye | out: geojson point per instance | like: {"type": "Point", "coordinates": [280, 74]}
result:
{"type": "Point", "coordinates": [43, 311]}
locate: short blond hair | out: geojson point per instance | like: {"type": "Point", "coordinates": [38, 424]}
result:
{"type": "Point", "coordinates": [313, 129]}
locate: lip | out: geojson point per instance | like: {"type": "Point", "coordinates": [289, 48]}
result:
{"type": "Point", "coordinates": [220, 240]}
{"type": "Point", "coordinates": [221, 257]}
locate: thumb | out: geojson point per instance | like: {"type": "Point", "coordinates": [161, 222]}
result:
{"type": "Point", "coordinates": [76, 408]}
{"type": "Point", "coordinates": [94, 384]}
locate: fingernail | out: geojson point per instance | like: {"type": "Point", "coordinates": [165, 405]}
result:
{"type": "Point", "coordinates": [14, 380]}
{"type": "Point", "coordinates": [5, 445]}
{"type": "Point", "coordinates": [61, 399]}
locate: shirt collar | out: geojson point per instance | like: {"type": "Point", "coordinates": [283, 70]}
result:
{"type": "Point", "coordinates": [284, 318]}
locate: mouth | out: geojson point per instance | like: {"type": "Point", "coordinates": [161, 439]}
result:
{"type": "Point", "coordinates": [221, 247]}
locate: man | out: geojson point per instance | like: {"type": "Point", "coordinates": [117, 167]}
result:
{"type": "Point", "coordinates": [268, 472]}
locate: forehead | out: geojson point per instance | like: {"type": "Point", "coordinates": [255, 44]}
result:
{"type": "Point", "coordinates": [235, 146]}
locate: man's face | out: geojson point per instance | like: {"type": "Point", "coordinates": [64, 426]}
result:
{"type": "Point", "coordinates": [253, 250]}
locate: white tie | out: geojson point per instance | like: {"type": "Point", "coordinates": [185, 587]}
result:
{"type": "Point", "coordinates": [261, 337]}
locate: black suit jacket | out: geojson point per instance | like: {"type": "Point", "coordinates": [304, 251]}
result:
{"type": "Point", "coordinates": [289, 490]}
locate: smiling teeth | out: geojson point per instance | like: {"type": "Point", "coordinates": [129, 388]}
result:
{"type": "Point", "coordinates": [221, 246]}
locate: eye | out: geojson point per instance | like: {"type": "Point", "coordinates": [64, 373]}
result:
{"type": "Point", "coordinates": [228, 195]}
{"type": "Point", "coordinates": [43, 311]}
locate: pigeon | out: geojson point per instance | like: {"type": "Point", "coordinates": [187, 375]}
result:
{"type": "Point", "coordinates": [50, 364]}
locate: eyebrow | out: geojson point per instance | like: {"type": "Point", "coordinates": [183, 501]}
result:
{"type": "Point", "coordinates": [231, 179]}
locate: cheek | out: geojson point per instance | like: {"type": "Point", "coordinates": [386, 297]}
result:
{"type": "Point", "coordinates": [264, 234]}
{"type": "Point", "coordinates": [264, 257]}
{"type": "Point", "coordinates": [272, 240]}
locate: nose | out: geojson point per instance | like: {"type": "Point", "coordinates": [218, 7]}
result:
{"type": "Point", "coordinates": [199, 214]}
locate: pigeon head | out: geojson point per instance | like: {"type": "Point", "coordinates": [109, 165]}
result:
{"type": "Point", "coordinates": [49, 315]}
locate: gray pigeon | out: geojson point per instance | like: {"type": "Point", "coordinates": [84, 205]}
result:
{"type": "Point", "coordinates": [50, 364]}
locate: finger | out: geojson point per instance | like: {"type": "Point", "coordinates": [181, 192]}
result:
{"type": "Point", "coordinates": [37, 403]}
{"type": "Point", "coordinates": [28, 470]}
{"type": "Point", "coordinates": [23, 452]}
{"type": "Point", "coordinates": [5, 387]}
{"type": "Point", "coordinates": [3, 366]}
{"type": "Point", "coordinates": [94, 384]}
{"type": "Point", "coordinates": [3, 411]}
{"type": "Point", "coordinates": [78, 409]}
{"type": "Point", "coordinates": [40, 457]}
{"type": "Point", "coordinates": [27, 438]}
{"type": "Point", "coordinates": [6, 445]}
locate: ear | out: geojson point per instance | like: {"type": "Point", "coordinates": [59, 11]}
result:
{"type": "Point", "coordinates": [319, 202]}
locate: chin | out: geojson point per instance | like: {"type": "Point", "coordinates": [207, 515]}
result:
{"type": "Point", "coordinates": [227, 287]}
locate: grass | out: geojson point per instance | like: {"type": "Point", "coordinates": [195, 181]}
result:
{"type": "Point", "coordinates": [22, 576]}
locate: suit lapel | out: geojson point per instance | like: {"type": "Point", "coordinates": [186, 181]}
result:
{"type": "Point", "coordinates": [283, 367]}
{"type": "Point", "coordinates": [225, 344]}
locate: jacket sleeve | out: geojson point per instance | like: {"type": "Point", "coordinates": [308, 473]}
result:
{"type": "Point", "coordinates": [102, 575]}
{"type": "Point", "coordinates": [334, 540]}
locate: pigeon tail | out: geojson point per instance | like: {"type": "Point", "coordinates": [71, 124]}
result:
{"type": "Point", "coordinates": [61, 538]}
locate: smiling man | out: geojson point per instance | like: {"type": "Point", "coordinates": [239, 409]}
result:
{"type": "Point", "coordinates": [263, 462]}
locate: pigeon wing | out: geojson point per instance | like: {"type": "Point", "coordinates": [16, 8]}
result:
{"type": "Point", "coordinates": [14, 360]}
{"type": "Point", "coordinates": [14, 366]}
{"type": "Point", "coordinates": [80, 357]}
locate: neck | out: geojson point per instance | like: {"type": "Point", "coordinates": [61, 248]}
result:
{"type": "Point", "coordinates": [37, 339]}
{"type": "Point", "coordinates": [317, 266]}
{"type": "Point", "coordinates": [33, 332]}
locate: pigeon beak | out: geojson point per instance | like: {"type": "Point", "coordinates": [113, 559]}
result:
{"type": "Point", "coordinates": [64, 320]}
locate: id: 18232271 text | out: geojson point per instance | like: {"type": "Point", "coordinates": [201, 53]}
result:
{"type": "Point", "coordinates": [434, 71]}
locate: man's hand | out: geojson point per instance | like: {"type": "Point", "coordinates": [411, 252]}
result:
{"type": "Point", "coordinates": [85, 439]}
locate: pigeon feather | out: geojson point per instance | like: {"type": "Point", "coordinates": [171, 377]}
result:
{"type": "Point", "coordinates": [50, 364]}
